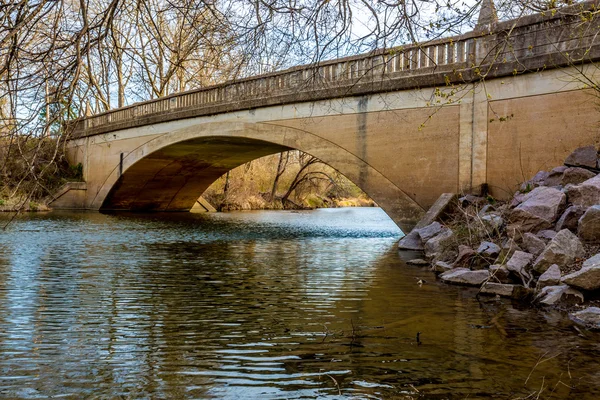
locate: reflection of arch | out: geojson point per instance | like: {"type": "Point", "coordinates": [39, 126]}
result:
{"type": "Point", "coordinates": [171, 171]}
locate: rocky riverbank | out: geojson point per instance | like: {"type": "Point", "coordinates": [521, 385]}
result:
{"type": "Point", "coordinates": [542, 247]}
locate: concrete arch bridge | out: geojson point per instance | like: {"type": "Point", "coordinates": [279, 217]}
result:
{"type": "Point", "coordinates": [492, 106]}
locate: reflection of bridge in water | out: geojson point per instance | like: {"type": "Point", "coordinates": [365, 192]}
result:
{"type": "Point", "coordinates": [404, 124]}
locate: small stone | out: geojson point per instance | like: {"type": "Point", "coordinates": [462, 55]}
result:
{"type": "Point", "coordinates": [464, 276]}
{"type": "Point", "coordinates": [429, 231]}
{"type": "Point", "coordinates": [465, 257]}
{"type": "Point", "coordinates": [519, 264]}
{"type": "Point", "coordinates": [575, 176]}
{"type": "Point", "coordinates": [505, 290]}
{"type": "Point", "coordinates": [549, 278]}
{"type": "Point", "coordinates": [537, 180]}
{"type": "Point", "coordinates": [493, 221]}
{"type": "Point", "coordinates": [589, 225]}
{"type": "Point", "coordinates": [561, 294]}
{"type": "Point", "coordinates": [542, 206]}
{"type": "Point", "coordinates": [517, 199]}
{"type": "Point", "coordinates": [570, 219]}
{"type": "Point", "coordinates": [486, 209]}
{"type": "Point", "coordinates": [588, 317]}
{"type": "Point", "coordinates": [499, 273]}
{"type": "Point", "coordinates": [583, 157]}
{"type": "Point", "coordinates": [562, 250]}
{"type": "Point", "coordinates": [470, 199]}
{"type": "Point", "coordinates": [509, 247]}
{"type": "Point", "coordinates": [533, 244]}
{"type": "Point", "coordinates": [441, 266]}
{"type": "Point", "coordinates": [417, 261]}
{"type": "Point", "coordinates": [442, 247]}
{"type": "Point", "coordinates": [588, 277]}
{"type": "Point", "coordinates": [546, 234]}
{"type": "Point", "coordinates": [489, 250]}
{"type": "Point", "coordinates": [586, 194]}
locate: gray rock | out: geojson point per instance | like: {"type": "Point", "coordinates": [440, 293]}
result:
{"type": "Point", "coordinates": [493, 221]}
{"type": "Point", "coordinates": [489, 250]}
{"type": "Point", "coordinates": [442, 247]}
{"type": "Point", "coordinates": [575, 176]}
{"type": "Point", "coordinates": [546, 234]}
{"type": "Point", "coordinates": [417, 261]}
{"type": "Point", "coordinates": [486, 209]}
{"type": "Point", "coordinates": [542, 206]}
{"type": "Point", "coordinates": [549, 278]}
{"type": "Point", "coordinates": [589, 225]}
{"type": "Point", "coordinates": [505, 290]}
{"type": "Point", "coordinates": [555, 176]}
{"type": "Point", "coordinates": [562, 251]}
{"type": "Point", "coordinates": [412, 241]}
{"type": "Point", "coordinates": [588, 317]}
{"type": "Point", "coordinates": [464, 276]}
{"type": "Point", "coordinates": [586, 194]}
{"type": "Point", "coordinates": [559, 295]}
{"type": "Point", "coordinates": [499, 273]}
{"type": "Point", "coordinates": [583, 157]}
{"type": "Point", "coordinates": [533, 244]}
{"type": "Point", "coordinates": [570, 219]}
{"type": "Point", "coordinates": [588, 277]}
{"type": "Point", "coordinates": [441, 266]}
{"type": "Point", "coordinates": [429, 231]}
{"type": "Point", "coordinates": [519, 263]}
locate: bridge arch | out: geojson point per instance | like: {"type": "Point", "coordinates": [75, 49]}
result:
{"type": "Point", "coordinates": [170, 171]}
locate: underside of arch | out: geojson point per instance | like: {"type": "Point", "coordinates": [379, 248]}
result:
{"type": "Point", "coordinates": [170, 172]}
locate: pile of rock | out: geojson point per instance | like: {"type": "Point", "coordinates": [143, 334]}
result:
{"type": "Point", "coordinates": [539, 245]}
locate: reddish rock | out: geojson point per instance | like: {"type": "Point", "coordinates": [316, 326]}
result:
{"type": "Point", "coordinates": [589, 225]}
{"type": "Point", "coordinates": [541, 207]}
{"type": "Point", "coordinates": [570, 219]}
{"type": "Point", "coordinates": [575, 176]}
{"type": "Point", "coordinates": [586, 194]}
{"type": "Point", "coordinates": [562, 251]}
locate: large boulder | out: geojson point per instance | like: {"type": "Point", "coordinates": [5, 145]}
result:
{"type": "Point", "coordinates": [533, 244]}
{"type": "Point", "coordinates": [520, 264]}
{"type": "Point", "coordinates": [442, 247]}
{"type": "Point", "coordinates": [541, 207]}
{"type": "Point", "coordinates": [589, 225]}
{"type": "Point", "coordinates": [583, 157]}
{"type": "Point", "coordinates": [562, 251]}
{"type": "Point", "coordinates": [588, 317]}
{"type": "Point", "coordinates": [575, 176]}
{"type": "Point", "coordinates": [570, 219]}
{"type": "Point", "coordinates": [586, 194]}
{"type": "Point", "coordinates": [559, 295]}
{"type": "Point", "coordinates": [464, 276]}
{"type": "Point", "coordinates": [549, 278]}
{"type": "Point", "coordinates": [588, 277]}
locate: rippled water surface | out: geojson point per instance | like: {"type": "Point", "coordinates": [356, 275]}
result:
{"type": "Point", "coordinates": [261, 305]}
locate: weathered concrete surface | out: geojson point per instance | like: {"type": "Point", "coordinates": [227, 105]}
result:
{"type": "Point", "coordinates": [381, 127]}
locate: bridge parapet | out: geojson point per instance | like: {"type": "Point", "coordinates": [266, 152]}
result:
{"type": "Point", "coordinates": [548, 40]}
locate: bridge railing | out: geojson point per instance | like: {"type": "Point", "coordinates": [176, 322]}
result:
{"type": "Point", "coordinates": [510, 42]}
{"type": "Point", "coordinates": [325, 75]}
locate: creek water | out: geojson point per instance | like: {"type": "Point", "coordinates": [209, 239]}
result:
{"type": "Point", "coordinates": [268, 304]}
